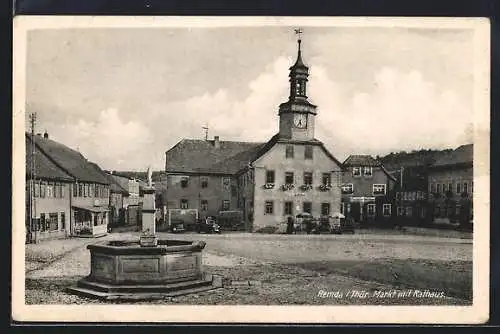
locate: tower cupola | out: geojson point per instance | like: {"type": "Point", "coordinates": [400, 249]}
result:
{"type": "Point", "coordinates": [297, 114]}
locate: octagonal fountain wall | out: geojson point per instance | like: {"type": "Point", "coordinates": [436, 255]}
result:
{"type": "Point", "coordinates": [122, 262]}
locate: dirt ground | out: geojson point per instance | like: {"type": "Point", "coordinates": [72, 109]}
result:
{"type": "Point", "coordinates": [271, 270]}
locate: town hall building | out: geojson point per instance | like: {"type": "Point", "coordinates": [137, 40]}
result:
{"type": "Point", "coordinates": [266, 182]}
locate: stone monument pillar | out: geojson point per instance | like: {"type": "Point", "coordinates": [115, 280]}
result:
{"type": "Point", "coordinates": [148, 236]}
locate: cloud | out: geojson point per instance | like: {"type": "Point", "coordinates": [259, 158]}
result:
{"type": "Point", "coordinates": [401, 111]}
{"type": "Point", "coordinates": [109, 140]}
{"type": "Point", "coordinates": [251, 118]}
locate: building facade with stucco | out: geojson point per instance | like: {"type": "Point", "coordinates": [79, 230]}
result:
{"type": "Point", "coordinates": [263, 182]}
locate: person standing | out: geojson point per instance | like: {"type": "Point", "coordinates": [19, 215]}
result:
{"type": "Point", "coordinates": [289, 225]}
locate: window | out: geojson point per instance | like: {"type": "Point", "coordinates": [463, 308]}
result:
{"type": "Point", "coordinates": [308, 152]}
{"type": "Point", "coordinates": [400, 211]}
{"type": "Point", "coordinates": [450, 187]}
{"type": "Point", "coordinates": [50, 190]}
{"type": "Point", "coordinates": [63, 221]}
{"type": "Point", "coordinates": [184, 203]}
{"type": "Point", "coordinates": [43, 187]}
{"type": "Point", "coordinates": [37, 189]}
{"type": "Point", "coordinates": [96, 190]}
{"type": "Point", "coordinates": [370, 210]}
{"type": "Point", "coordinates": [409, 211]}
{"type": "Point", "coordinates": [326, 179]}
{"type": "Point", "coordinates": [288, 209]}
{"type": "Point", "coordinates": [289, 152]}
{"type": "Point", "coordinates": [308, 178]}
{"type": "Point", "coordinates": [52, 222]}
{"type": "Point", "coordinates": [398, 195]}
{"type": "Point", "coordinates": [348, 207]}
{"type": "Point", "coordinates": [433, 188]}
{"type": "Point", "coordinates": [41, 226]}
{"type": "Point", "coordinates": [80, 190]}
{"type": "Point", "coordinates": [347, 188]}
{"type": "Point", "coordinates": [379, 189]}
{"type": "Point", "coordinates": [270, 176]}
{"type": "Point", "coordinates": [204, 205]}
{"type": "Point", "coordinates": [458, 188]}
{"type": "Point", "coordinates": [225, 205]}
{"type": "Point", "coordinates": [184, 182]}
{"type": "Point", "coordinates": [204, 182]}
{"type": "Point", "coordinates": [269, 208]}
{"type": "Point", "coordinates": [465, 187]}
{"type": "Point", "coordinates": [438, 188]}
{"type": "Point", "coordinates": [234, 192]}
{"type": "Point", "coordinates": [307, 207]}
{"type": "Point", "coordinates": [226, 182]}
{"type": "Point", "coordinates": [91, 190]}
{"type": "Point", "coordinates": [325, 209]}
{"type": "Point", "coordinates": [288, 177]}
{"type": "Point", "coordinates": [386, 210]}
{"type": "Point", "coordinates": [342, 208]}
{"type": "Point", "coordinates": [367, 171]}
{"type": "Point", "coordinates": [356, 171]}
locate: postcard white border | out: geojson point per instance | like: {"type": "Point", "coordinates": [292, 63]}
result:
{"type": "Point", "coordinates": [477, 313]}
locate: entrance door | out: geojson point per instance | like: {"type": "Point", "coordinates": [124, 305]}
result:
{"type": "Point", "coordinates": [356, 211]}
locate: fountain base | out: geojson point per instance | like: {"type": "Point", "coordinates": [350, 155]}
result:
{"type": "Point", "coordinates": [130, 271]}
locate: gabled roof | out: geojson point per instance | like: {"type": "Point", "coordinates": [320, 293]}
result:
{"type": "Point", "coordinates": [201, 156]}
{"type": "Point", "coordinates": [462, 155]}
{"type": "Point", "coordinates": [70, 161]}
{"type": "Point", "coordinates": [114, 186]}
{"type": "Point", "coordinates": [45, 168]}
{"type": "Point", "coordinates": [122, 180]}
{"type": "Point", "coordinates": [366, 161]}
{"type": "Point", "coordinates": [361, 161]}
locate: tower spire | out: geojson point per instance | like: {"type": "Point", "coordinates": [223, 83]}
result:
{"type": "Point", "coordinates": [299, 61]}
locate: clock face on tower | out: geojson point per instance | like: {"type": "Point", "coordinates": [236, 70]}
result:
{"type": "Point", "coordinates": [300, 121]}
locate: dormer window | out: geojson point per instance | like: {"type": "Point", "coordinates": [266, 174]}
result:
{"type": "Point", "coordinates": [367, 171]}
{"type": "Point", "coordinates": [356, 171]}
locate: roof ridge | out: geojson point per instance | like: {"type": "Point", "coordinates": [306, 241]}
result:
{"type": "Point", "coordinates": [41, 150]}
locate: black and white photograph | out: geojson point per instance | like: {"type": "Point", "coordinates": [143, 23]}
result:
{"type": "Point", "coordinates": [251, 169]}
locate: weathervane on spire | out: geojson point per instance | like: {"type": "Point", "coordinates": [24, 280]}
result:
{"type": "Point", "coordinates": [298, 32]}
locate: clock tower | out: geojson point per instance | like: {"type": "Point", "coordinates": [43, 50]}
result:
{"type": "Point", "coordinates": [297, 115]}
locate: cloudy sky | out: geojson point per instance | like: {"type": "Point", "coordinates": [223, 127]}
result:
{"type": "Point", "coordinates": [125, 96]}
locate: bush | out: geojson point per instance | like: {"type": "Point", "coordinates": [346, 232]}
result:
{"type": "Point", "coordinates": [267, 229]}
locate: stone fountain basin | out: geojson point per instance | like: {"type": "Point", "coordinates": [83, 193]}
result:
{"type": "Point", "coordinates": [126, 262]}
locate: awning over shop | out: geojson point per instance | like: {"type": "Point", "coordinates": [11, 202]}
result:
{"type": "Point", "coordinates": [91, 208]}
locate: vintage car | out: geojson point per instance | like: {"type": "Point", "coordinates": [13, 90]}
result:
{"type": "Point", "coordinates": [207, 225]}
{"type": "Point", "coordinates": [177, 226]}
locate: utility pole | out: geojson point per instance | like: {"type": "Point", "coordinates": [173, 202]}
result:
{"type": "Point", "coordinates": [401, 176]}
{"type": "Point", "coordinates": [32, 211]}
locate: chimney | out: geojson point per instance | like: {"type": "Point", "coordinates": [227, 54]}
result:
{"type": "Point", "coordinates": [46, 135]}
{"type": "Point", "coordinates": [216, 142]}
